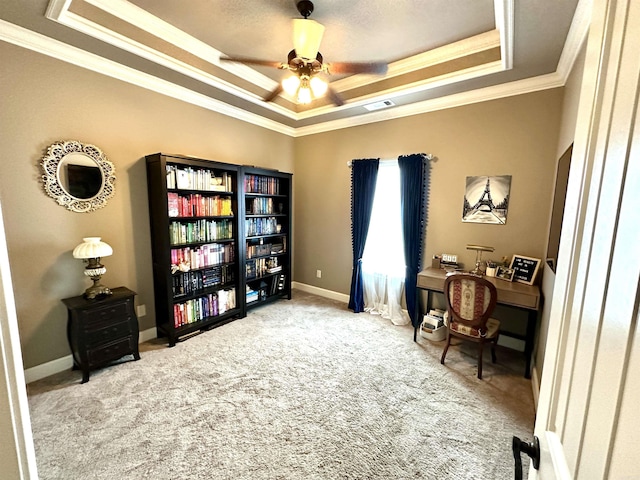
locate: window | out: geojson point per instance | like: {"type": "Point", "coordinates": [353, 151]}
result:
{"type": "Point", "coordinates": [383, 265]}
{"type": "Point", "coordinates": [384, 251]}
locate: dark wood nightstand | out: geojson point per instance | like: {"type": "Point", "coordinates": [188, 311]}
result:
{"type": "Point", "coordinates": [102, 330]}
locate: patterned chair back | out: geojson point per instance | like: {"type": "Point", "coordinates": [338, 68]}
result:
{"type": "Point", "coordinates": [470, 300]}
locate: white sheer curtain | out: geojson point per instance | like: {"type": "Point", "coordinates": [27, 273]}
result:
{"type": "Point", "coordinates": [383, 267]}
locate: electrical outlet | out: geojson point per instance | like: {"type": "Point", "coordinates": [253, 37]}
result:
{"type": "Point", "coordinates": [448, 258]}
{"type": "Point", "coordinates": [141, 310]}
{"type": "Point", "coordinates": [319, 273]}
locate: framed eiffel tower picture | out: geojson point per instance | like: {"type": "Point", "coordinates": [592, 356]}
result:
{"type": "Point", "coordinates": [486, 199]}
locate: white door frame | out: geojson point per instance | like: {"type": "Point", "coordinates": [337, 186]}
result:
{"type": "Point", "coordinates": [593, 320]}
{"type": "Point", "coordinates": [17, 455]}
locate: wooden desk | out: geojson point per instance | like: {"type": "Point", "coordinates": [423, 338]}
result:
{"type": "Point", "coordinates": [512, 294]}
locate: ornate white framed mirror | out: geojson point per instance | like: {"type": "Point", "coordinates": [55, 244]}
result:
{"type": "Point", "coordinates": [78, 176]}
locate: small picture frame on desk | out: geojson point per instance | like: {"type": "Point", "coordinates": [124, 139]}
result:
{"type": "Point", "coordinates": [525, 269]}
{"type": "Point", "coordinates": [504, 273]}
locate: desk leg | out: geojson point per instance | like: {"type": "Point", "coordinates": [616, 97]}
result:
{"type": "Point", "coordinates": [532, 318]}
{"type": "Point", "coordinates": [428, 308]}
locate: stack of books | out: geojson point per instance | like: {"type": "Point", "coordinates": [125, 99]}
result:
{"type": "Point", "coordinates": [252, 295]}
{"type": "Point", "coordinates": [432, 326]}
{"type": "Point", "coordinates": [434, 319]}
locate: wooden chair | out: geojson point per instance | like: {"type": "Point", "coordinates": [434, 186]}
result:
{"type": "Point", "coordinates": [470, 302]}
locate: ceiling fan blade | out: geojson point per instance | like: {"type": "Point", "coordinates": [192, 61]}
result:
{"type": "Point", "coordinates": [378, 68]}
{"type": "Point", "coordinates": [273, 94]}
{"type": "Point", "coordinates": [335, 98]}
{"type": "Point", "coordinates": [254, 61]}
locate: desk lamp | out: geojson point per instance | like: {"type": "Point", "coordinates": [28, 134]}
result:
{"type": "Point", "coordinates": [91, 250]}
{"type": "Point", "coordinates": [479, 249]}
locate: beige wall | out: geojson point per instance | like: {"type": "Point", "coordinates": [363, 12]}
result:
{"type": "Point", "coordinates": [46, 100]}
{"type": "Point", "coordinates": [565, 140]}
{"type": "Point", "coordinates": [512, 136]}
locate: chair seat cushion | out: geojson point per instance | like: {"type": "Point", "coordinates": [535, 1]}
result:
{"type": "Point", "coordinates": [493, 326]}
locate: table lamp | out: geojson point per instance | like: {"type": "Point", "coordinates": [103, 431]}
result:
{"type": "Point", "coordinates": [91, 250]}
{"type": "Point", "coordinates": [479, 249]}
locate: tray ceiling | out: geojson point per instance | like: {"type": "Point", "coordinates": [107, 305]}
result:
{"type": "Point", "coordinates": [439, 51]}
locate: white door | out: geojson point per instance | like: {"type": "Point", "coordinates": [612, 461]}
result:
{"type": "Point", "coordinates": [587, 420]}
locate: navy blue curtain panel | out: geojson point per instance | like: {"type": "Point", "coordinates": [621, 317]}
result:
{"type": "Point", "coordinates": [364, 174]}
{"type": "Point", "coordinates": [414, 184]}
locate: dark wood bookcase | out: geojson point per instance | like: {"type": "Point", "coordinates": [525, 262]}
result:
{"type": "Point", "coordinates": [220, 241]}
{"type": "Point", "coordinates": [266, 245]}
{"type": "Point", "coordinates": [195, 236]}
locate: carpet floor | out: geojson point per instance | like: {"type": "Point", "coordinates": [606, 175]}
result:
{"type": "Point", "coordinates": [300, 389]}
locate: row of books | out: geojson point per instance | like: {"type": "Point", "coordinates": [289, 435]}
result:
{"type": "Point", "coordinates": [203, 307]}
{"type": "Point", "coordinates": [278, 284]}
{"type": "Point", "coordinates": [192, 282]}
{"type": "Point", "coordinates": [262, 206]}
{"type": "Point", "coordinates": [188, 258]}
{"type": "Point", "coordinates": [266, 249]}
{"type": "Point", "coordinates": [259, 267]}
{"type": "Point", "coordinates": [200, 231]}
{"type": "Point", "coordinates": [197, 205]}
{"type": "Point", "coordinates": [261, 226]}
{"type": "Point", "coordinates": [189, 178]}
{"type": "Point", "coordinates": [261, 184]}
{"type": "Point", "coordinates": [264, 290]}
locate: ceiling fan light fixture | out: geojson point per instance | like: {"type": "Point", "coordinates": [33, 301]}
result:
{"type": "Point", "coordinates": [318, 86]}
{"type": "Point", "coordinates": [291, 84]}
{"type": "Point", "coordinates": [304, 92]}
{"type": "Point", "coordinates": [307, 35]}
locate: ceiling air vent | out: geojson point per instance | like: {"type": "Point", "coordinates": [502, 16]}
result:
{"type": "Point", "coordinates": [379, 105]}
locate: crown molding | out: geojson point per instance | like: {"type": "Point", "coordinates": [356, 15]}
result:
{"type": "Point", "coordinates": [519, 87]}
{"type": "Point", "coordinates": [578, 33]}
{"type": "Point", "coordinates": [138, 17]}
{"type": "Point", "coordinates": [39, 43]}
{"type": "Point", "coordinates": [452, 51]}
{"type": "Point", "coordinates": [502, 36]}
{"type": "Point", "coordinates": [59, 11]}
{"type": "Point", "coordinates": [53, 48]}
{"type": "Point", "coordinates": [142, 19]}
{"type": "Point", "coordinates": [416, 87]}
{"type": "Point", "coordinates": [504, 12]}
{"type": "Point", "coordinates": [57, 8]}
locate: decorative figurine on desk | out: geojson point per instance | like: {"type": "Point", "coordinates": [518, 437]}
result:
{"type": "Point", "coordinates": [479, 249]}
{"type": "Point", "coordinates": [91, 250]}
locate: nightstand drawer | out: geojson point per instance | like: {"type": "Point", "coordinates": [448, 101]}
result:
{"type": "Point", "coordinates": [112, 351]}
{"type": "Point", "coordinates": [98, 318]}
{"type": "Point", "coordinates": [109, 333]}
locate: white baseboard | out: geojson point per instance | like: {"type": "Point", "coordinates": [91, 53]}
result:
{"type": "Point", "coordinates": [341, 297]}
{"type": "Point", "coordinates": [535, 385]}
{"type": "Point", "coordinates": [148, 334]}
{"type": "Point", "coordinates": [65, 363]}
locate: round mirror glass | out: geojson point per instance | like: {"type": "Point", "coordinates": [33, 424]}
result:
{"type": "Point", "coordinates": [80, 176]}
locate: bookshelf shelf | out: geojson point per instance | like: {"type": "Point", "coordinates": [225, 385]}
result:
{"type": "Point", "coordinates": [250, 195]}
{"type": "Point", "coordinates": [220, 241]}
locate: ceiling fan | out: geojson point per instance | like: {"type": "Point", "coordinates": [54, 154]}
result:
{"type": "Point", "coordinates": [306, 62]}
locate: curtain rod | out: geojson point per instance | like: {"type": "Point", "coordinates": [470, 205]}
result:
{"type": "Point", "coordinates": [428, 156]}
